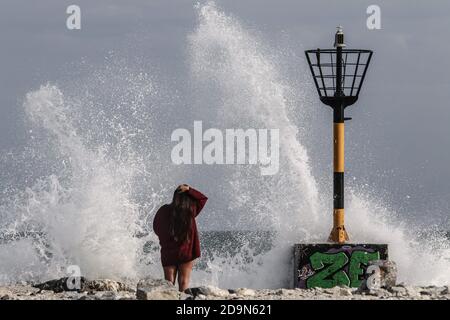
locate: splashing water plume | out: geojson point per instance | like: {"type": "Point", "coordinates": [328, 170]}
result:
{"type": "Point", "coordinates": [84, 214]}
{"type": "Point", "coordinates": [227, 59]}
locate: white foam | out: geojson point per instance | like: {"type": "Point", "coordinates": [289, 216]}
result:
{"type": "Point", "coordinates": [228, 59]}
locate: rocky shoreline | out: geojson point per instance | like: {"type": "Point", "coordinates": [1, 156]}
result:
{"type": "Point", "coordinates": [158, 289]}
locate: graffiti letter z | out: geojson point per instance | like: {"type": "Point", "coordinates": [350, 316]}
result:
{"type": "Point", "coordinates": [329, 276]}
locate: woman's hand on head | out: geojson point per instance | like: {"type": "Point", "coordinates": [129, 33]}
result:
{"type": "Point", "coordinates": [183, 187]}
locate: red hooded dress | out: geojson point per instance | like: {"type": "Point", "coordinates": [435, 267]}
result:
{"type": "Point", "coordinates": [172, 252]}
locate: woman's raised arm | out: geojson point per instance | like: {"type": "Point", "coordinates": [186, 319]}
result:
{"type": "Point", "coordinates": [200, 197]}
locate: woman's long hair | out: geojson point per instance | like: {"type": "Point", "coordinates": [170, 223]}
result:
{"type": "Point", "coordinates": [181, 216]}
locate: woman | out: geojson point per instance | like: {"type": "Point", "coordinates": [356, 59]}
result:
{"type": "Point", "coordinates": [175, 226]}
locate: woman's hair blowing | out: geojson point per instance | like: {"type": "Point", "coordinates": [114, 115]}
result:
{"type": "Point", "coordinates": [181, 216]}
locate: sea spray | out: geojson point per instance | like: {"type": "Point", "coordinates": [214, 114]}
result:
{"type": "Point", "coordinates": [250, 92]}
{"type": "Point", "coordinates": [97, 166]}
{"type": "Point", "coordinates": [85, 220]}
{"type": "Point", "coordinates": [85, 213]}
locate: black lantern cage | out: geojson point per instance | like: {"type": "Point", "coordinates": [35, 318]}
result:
{"type": "Point", "coordinates": [323, 65]}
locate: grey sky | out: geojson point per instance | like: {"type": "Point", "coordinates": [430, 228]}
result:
{"type": "Point", "coordinates": [400, 130]}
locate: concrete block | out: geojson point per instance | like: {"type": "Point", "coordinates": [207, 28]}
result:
{"type": "Point", "coordinates": [326, 265]}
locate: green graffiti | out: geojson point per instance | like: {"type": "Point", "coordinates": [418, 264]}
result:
{"type": "Point", "coordinates": [334, 262]}
{"type": "Point", "coordinates": [329, 267]}
{"type": "Point", "coordinates": [355, 270]}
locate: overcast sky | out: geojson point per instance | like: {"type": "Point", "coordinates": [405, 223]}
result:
{"type": "Point", "coordinates": [402, 118]}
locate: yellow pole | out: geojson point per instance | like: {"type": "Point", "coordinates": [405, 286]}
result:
{"type": "Point", "coordinates": [338, 233]}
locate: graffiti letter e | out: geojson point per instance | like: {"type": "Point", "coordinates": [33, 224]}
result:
{"type": "Point", "coordinates": [74, 20]}
{"type": "Point", "coordinates": [374, 20]}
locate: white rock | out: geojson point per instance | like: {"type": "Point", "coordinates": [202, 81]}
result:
{"type": "Point", "coordinates": [398, 291]}
{"type": "Point", "coordinates": [381, 293]}
{"type": "Point", "coordinates": [106, 285]}
{"type": "Point", "coordinates": [106, 295]}
{"type": "Point", "coordinates": [245, 292]}
{"type": "Point", "coordinates": [48, 292]}
{"type": "Point", "coordinates": [156, 289]}
{"type": "Point", "coordinates": [328, 291]}
{"type": "Point", "coordinates": [412, 291]}
{"type": "Point", "coordinates": [345, 292]}
{"type": "Point", "coordinates": [284, 292]}
{"type": "Point", "coordinates": [217, 292]}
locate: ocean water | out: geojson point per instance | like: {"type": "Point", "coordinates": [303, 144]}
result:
{"type": "Point", "coordinates": [84, 190]}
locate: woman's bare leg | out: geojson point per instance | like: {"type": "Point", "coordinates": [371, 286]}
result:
{"type": "Point", "coordinates": [184, 275]}
{"type": "Point", "coordinates": [170, 273]}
